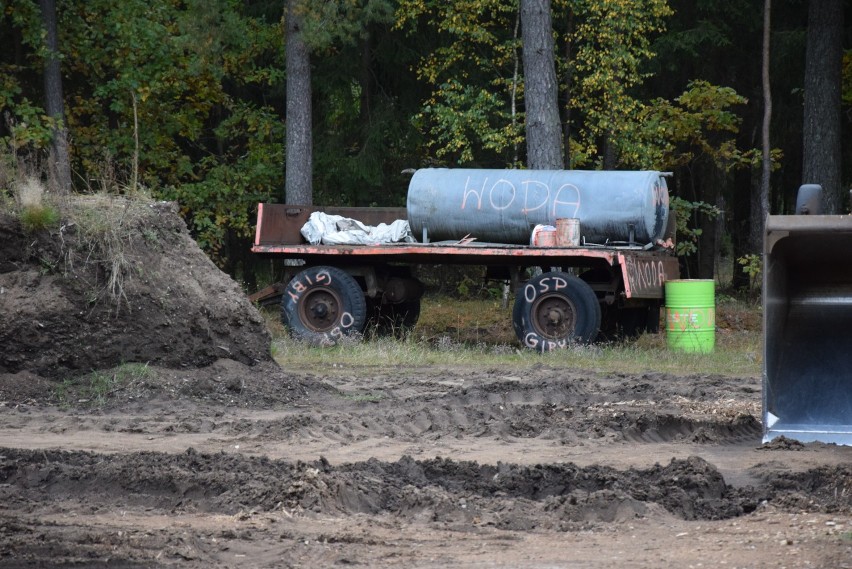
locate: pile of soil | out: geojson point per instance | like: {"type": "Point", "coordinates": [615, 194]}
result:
{"type": "Point", "coordinates": [72, 302]}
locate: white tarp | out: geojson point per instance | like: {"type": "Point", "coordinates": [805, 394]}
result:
{"type": "Point", "coordinates": [339, 230]}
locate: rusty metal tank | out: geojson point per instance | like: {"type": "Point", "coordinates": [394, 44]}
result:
{"type": "Point", "coordinates": [503, 206]}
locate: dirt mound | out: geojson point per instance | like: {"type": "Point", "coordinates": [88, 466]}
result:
{"type": "Point", "coordinates": [506, 496]}
{"type": "Point", "coordinates": [131, 286]}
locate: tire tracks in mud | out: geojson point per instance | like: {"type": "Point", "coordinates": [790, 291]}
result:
{"type": "Point", "coordinates": [566, 410]}
{"type": "Point", "coordinates": [488, 451]}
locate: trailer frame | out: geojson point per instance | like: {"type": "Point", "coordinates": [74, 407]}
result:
{"type": "Point", "coordinates": [626, 278]}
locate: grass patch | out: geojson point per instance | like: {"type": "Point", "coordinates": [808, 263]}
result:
{"type": "Point", "coordinates": [35, 218]}
{"type": "Point", "coordinates": [479, 333]}
{"type": "Point", "coordinates": [35, 210]}
{"type": "Point", "coordinates": [96, 387]}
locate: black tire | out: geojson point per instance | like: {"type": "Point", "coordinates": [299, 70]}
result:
{"type": "Point", "coordinates": [554, 310]}
{"type": "Point", "coordinates": [321, 305]}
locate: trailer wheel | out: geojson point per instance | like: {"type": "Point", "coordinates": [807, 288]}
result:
{"type": "Point", "coordinates": [322, 305]}
{"type": "Point", "coordinates": [555, 309]}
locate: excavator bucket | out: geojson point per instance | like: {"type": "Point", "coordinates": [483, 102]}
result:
{"type": "Point", "coordinates": [807, 323]}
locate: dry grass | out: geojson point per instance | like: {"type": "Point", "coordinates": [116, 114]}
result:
{"type": "Point", "coordinates": [30, 192]}
{"type": "Point", "coordinates": [105, 225]}
{"type": "Point", "coordinates": [479, 333]}
{"type": "Point", "coordinates": [34, 208]}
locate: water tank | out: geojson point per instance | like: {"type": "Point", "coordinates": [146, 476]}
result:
{"type": "Point", "coordinates": [503, 206]}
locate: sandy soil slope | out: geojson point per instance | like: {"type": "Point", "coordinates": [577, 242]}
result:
{"type": "Point", "coordinates": [218, 457]}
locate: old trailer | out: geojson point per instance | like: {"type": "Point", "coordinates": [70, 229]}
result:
{"type": "Point", "coordinates": [563, 293]}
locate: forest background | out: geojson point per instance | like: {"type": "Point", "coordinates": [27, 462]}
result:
{"type": "Point", "coordinates": [190, 100]}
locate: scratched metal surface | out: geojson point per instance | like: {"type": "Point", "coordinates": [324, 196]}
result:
{"type": "Point", "coordinates": [808, 329]}
{"type": "Point", "coordinates": [505, 205]}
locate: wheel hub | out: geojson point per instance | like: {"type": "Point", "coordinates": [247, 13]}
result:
{"type": "Point", "coordinates": [320, 310]}
{"type": "Point", "coordinates": [554, 317]}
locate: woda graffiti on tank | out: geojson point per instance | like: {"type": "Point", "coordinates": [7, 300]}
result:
{"type": "Point", "coordinates": [503, 195]}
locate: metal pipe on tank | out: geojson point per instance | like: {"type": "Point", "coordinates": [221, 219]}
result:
{"type": "Point", "coordinates": [503, 206]}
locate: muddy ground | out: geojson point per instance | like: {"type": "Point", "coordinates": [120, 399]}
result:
{"type": "Point", "coordinates": [228, 459]}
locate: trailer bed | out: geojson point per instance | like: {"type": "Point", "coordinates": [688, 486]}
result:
{"type": "Point", "coordinates": [277, 234]}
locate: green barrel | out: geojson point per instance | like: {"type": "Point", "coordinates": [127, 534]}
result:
{"type": "Point", "coordinates": [691, 315]}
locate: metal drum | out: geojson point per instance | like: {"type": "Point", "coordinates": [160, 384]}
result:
{"type": "Point", "coordinates": [503, 206]}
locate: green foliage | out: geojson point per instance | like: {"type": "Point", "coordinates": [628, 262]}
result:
{"type": "Point", "coordinates": [470, 115]}
{"type": "Point", "coordinates": [700, 123]}
{"type": "Point", "coordinates": [330, 23]}
{"type": "Point", "coordinates": [96, 387]}
{"type": "Point", "coordinates": [192, 91]}
{"type": "Point", "coordinates": [612, 41]}
{"type": "Point", "coordinates": [688, 235]}
{"type": "Point", "coordinates": [25, 125]}
{"type": "Point", "coordinates": [698, 126]}
{"type": "Point", "coordinates": [163, 66]}
{"type": "Point", "coordinates": [752, 265]}
{"type": "Point", "coordinates": [181, 79]}
{"type": "Point", "coordinates": [463, 119]}
{"type": "Point", "coordinates": [35, 218]}
{"type": "Point", "coordinates": [226, 195]}
{"type": "Point", "coordinates": [362, 102]}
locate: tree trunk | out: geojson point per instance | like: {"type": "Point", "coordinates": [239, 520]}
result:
{"type": "Point", "coordinates": [610, 153]}
{"type": "Point", "coordinates": [544, 144]}
{"type": "Point", "coordinates": [569, 84]}
{"type": "Point", "coordinates": [299, 167]}
{"type": "Point", "coordinates": [60, 163]}
{"type": "Point", "coordinates": [365, 80]}
{"type": "Point", "coordinates": [743, 195]}
{"type": "Point", "coordinates": [822, 120]}
{"type": "Point", "coordinates": [711, 181]}
{"type": "Point", "coordinates": [760, 203]}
